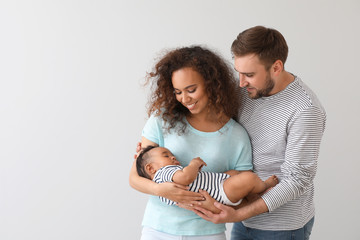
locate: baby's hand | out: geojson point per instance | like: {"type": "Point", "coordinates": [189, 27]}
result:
{"type": "Point", "coordinates": [199, 162]}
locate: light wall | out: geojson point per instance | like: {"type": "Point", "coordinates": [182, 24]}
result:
{"type": "Point", "coordinates": [72, 104]}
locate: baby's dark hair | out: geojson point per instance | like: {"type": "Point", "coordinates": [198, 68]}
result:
{"type": "Point", "coordinates": [142, 160]}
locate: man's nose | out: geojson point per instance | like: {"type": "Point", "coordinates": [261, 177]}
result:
{"type": "Point", "coordinates": [243, 82]}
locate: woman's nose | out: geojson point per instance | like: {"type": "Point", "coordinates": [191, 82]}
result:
{"type": "Point", "coordinates": [185, 98]}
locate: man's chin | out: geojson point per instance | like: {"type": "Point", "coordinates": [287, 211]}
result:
{"type": "Point", "coordinates": [253, 95]}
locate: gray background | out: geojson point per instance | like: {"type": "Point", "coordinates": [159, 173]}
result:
{"type": "Point", "coordinates": [72, 104]}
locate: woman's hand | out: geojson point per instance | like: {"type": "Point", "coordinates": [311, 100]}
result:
{"type": "Point", "coordinates": [213, 211]}
{"type": "Point", "coordinates": [178, 193]}
{"type": "Point", "coordinates": [208, 203]}
{"type": "Point", "coordinates": [138, 149]}
{"type": "Point", "coordinates": [226, 214]}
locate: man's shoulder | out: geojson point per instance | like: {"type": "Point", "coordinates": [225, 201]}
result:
{"type": "Point", "coordinates": [307, 96]}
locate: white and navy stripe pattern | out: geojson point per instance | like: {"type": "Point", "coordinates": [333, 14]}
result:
{"type": "Point", "coordinates": [285, 131]}
{"type": "Point", "coordinates": [208, 181]}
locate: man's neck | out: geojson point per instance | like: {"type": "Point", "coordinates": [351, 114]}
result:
{"type": "Point", "coordinates": [282, 81]}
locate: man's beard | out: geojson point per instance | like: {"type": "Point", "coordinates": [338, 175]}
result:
{"type": "Point", "coordinates": [269, 85]}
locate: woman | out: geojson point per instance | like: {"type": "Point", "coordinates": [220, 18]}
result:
{"type": "Point", "coordinates": [191, 113]}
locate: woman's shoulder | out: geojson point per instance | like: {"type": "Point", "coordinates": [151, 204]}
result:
{"type": "Point", "coordinates": [236, 125]}
{"type": "Point", "coordinates": [154, 118]}
{"type": "Point", "coordinates": [158, 121]}
{"type": "Point", "coordinates": [238, 131]}
{"type": "Point", "coordinates": [158, 117]}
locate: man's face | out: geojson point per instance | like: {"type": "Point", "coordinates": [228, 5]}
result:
{"type": "Point", "coordinates": [254, 76]}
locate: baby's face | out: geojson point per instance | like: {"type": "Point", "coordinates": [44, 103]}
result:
{"type": "Point", "coordinates": [162, 157]}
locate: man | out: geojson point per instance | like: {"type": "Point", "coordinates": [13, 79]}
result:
{"type": "Point", "coordinates": [285, 122]}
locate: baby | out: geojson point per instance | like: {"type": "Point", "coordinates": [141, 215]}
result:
{"type": "Point", "coordinates": [160, 165]}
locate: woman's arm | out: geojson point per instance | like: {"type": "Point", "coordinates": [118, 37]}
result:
{"type": "Point", "coordinates": [141, 184]}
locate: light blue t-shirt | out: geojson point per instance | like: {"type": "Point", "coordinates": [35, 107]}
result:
{"type": "Point", "coordinates": [225, 149]}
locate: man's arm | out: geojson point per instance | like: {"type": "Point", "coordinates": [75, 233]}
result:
{"type": "Point", "coordinates": [230, 214]}
{"type": "Point", "coordinates": [189, 173]}
{"type": "Point", "coordinates": [300, 163]}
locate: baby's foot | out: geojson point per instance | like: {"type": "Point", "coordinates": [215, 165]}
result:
{"type": "Point", "coordinates": [271, 181]}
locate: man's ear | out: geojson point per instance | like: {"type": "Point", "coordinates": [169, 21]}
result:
{"type": "Point", "coordinates": [277, 68]}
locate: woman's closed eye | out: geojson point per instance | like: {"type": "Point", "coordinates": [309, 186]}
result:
{"type": "Point", "coordinates": [191, 90]}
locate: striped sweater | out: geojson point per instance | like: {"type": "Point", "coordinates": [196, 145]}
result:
{"type": "Point", "coordinates": [285, 130]}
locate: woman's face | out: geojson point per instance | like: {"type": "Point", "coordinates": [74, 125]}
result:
{"type": "Point", "coordinates": [189, 88]}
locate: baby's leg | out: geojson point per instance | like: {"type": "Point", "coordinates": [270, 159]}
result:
{"type": "Point", "coordinates": [232, 172]}
{"type": "Point", "coordinates": [239, 186]}
{"type": "Point", "coordinates": [271, 182]}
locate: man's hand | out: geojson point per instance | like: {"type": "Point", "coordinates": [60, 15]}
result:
{"type": "Point", "coordinates": [229, 214]}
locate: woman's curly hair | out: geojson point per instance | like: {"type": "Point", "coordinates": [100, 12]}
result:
{"type": "Point", "coordinates": [220, 84]}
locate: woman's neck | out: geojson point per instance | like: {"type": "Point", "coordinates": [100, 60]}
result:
{"type": "Point", "coordinates": [207, 123]}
